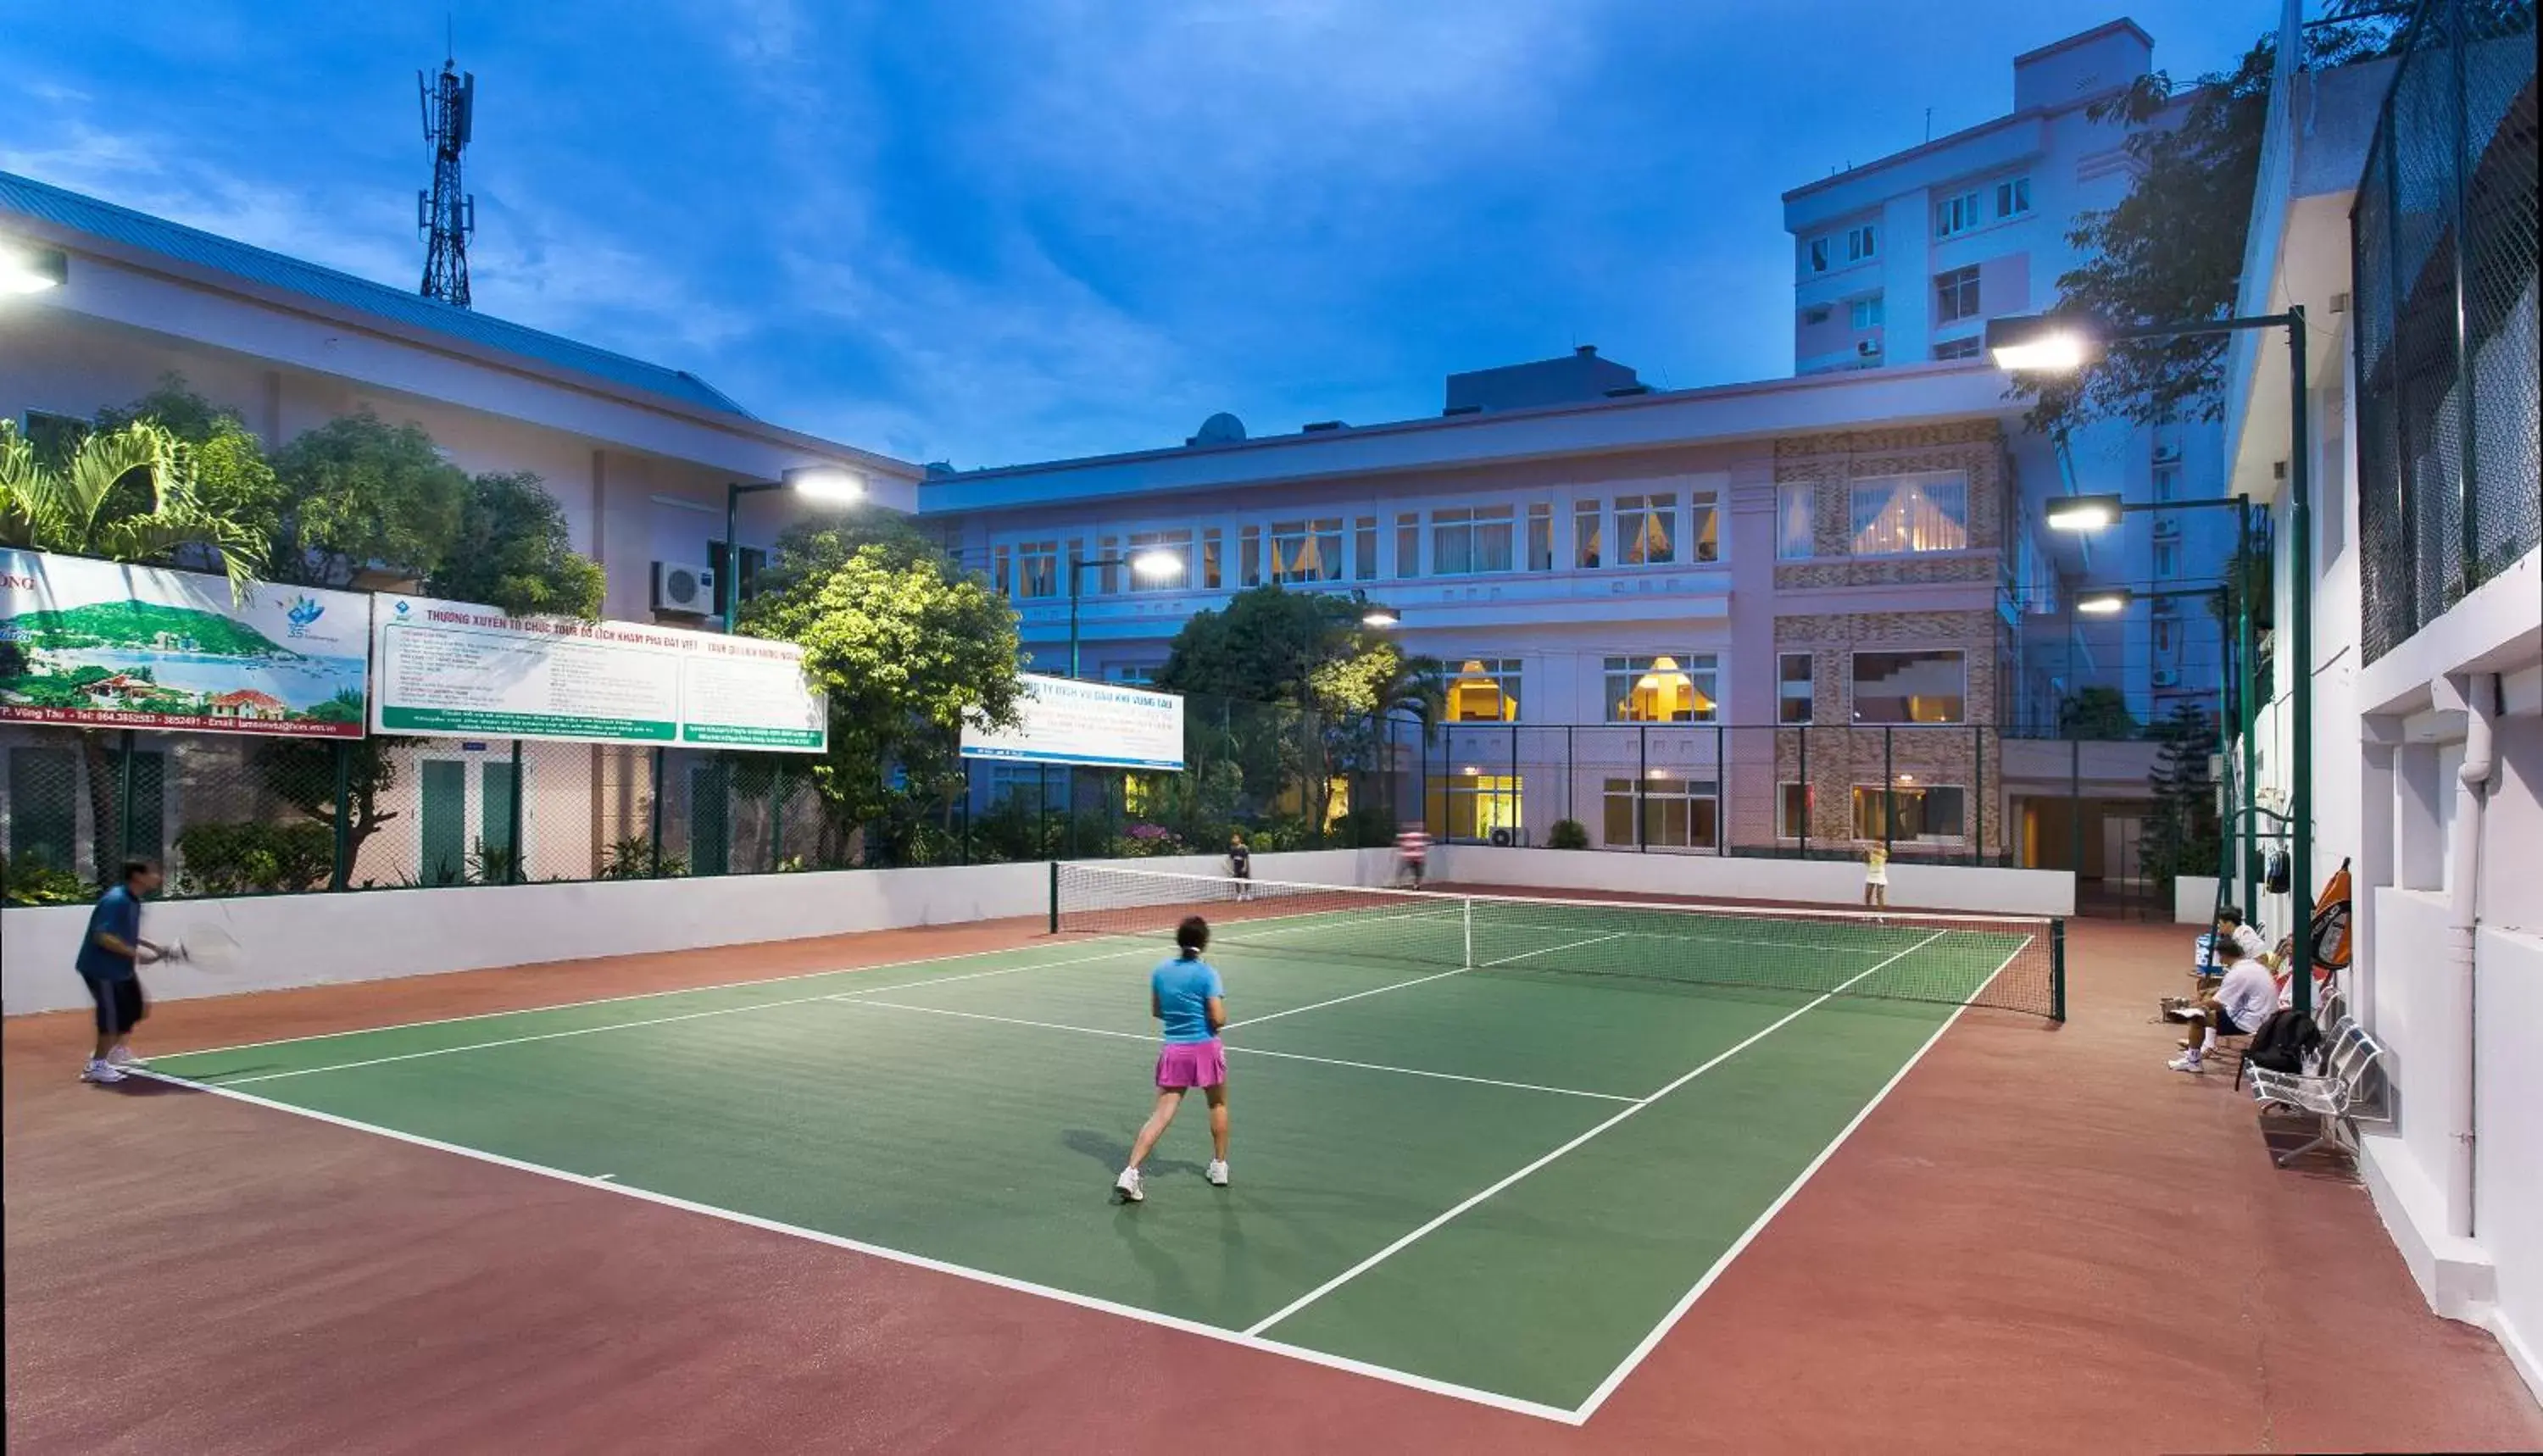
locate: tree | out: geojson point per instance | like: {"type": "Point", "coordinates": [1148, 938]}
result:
{"type": "Point", "coordinates": [2172, 250]}
{"type": "Point", "coordinates": [905, 645]}
{"type": "Point", "coordinates": [2183, 835]}
{"type": "Point", "coordinates": [232, 477]}
{"type": "Point", "coordinates": [362, 497]}
{"type": "Point", "coordinates": [2096, 713]}
{"type": "Point", "coordinates": [511, 551]}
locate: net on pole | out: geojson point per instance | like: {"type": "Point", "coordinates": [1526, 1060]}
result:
{"type": "Point", "coordinates": [2013, 962]}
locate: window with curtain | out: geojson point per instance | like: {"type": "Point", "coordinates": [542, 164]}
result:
{"type": "Point", "coordinates": [1249, 557]}
{"type": "Point", "coordinates": [1675, 813]}
{"type": "Point", "coordinates": [1036, 569]}
{"type": "Point", "coordinates": [1467, 540]}
{"type": "Point", "coordinates": [1307, 550]}
{"type": "Point", "coordinates": [1587, 537]}
{"type": "Point", "coordinates": [1540, 537]}
{"type": "Point", "coordinates": [1911, 687]}
{"type": "Point", "coordinates": [1910, 515]}
{"type": "Point", "coordinates": [1483, 690]}
{"type": "Point", "coordinates": [1662, 689]}
{"type": "Point", "coordinates": [1364, 549]}
{"type": "Point", "coordinates": [1407, 545]}
{"type": "Point", "coordinates": [1647, 530]}
{"type": "Point", "coordinates": [1793, 691]}
{"type": "Point", "coordinates": [1210, 565]}
{"type": "Point", "coordinates": [1931, 813]}
{"type": "Point", "coordinates": [1177, 543]}
{"type": "Point", "coordinates": [1703, 526]}
{"type": "Point", "coordinates": [1796, 522]}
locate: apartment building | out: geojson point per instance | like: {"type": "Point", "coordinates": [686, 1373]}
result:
{"type": "Point", "coordinates": [1902, 259]}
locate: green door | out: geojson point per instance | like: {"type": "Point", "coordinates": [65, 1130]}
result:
{"type": "Point", "coordinates": [710, 818]}
{"type": "Point", "coordinates": [444, 822]}
{"type": "Point", "coordinates": [496, 849]}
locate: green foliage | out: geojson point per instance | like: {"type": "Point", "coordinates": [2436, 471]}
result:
{"type": "Point", "coordinates": [232, 478]}
{"type": "Point", "coordinates": [2183, 835]}
{"type": "Point", "coordinates": [2096, 713]}
{"type": "Point", "coordinates": [633, 858]}
{"type": "Point", "coordinates": [1568, 834]}
{"type": "Point", "coordinates": [361, 494]}
{"type": "Point", "coordinates": [511, 551]}
{"type": "Point", "coordinates": [2172, 250]}
{"type": "Point", "coordinates": [906, 646]}
{"type": "Point", "coordinates": [490, 864]}
{"type": "Point", "coordinates": [253, 857]}
{"type": "Point", "coordinates": [127, 495]}
{"type": "Point", "coordinates": [28, 881]}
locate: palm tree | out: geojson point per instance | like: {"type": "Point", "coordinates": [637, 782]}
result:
{"type": "Point", "coordinates": [124, 495]}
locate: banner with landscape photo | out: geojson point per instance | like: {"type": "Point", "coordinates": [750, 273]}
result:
{"type": "Point", "coordinates": [95, 644]}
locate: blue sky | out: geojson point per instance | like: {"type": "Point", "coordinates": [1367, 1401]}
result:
{"type": "Point", "coordinates": [1011, 230]}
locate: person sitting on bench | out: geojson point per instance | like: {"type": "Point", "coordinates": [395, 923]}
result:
{"type": "Point", "coordinates": [2236, 1008]}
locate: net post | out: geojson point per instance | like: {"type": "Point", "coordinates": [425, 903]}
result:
{"type": "Point", "coordinates": [1466, 908]}
{"type": "Point", "coordinates": [1054, 897]}
{"type": "Point", "coordinates": [2057, 968]}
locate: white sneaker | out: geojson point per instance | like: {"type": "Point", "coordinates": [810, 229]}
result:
{"type": "Point", "coordinates": [101, 1070]}
{"type": "Point", "coordinates": [1216, 1172]}
{"type": "Point", "coordinates": [122, 1056]}
{"type": "Point", "coordinates": [1127, 1185]}
{"type": "Point", "coordinates": [2186, 1063]}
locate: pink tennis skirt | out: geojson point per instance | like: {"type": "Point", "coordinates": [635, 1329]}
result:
{"type": "Point", "coordinates": [1182, 1064]}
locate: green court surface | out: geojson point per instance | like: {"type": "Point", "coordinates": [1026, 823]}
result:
{"type": "Point", "coordinates": [1499, 1181]}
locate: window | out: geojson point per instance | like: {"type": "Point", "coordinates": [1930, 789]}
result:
{"type": "Point", "coordinates": [1470, 803]}
{"type": "Point", "coordinates": [1210, 577]}
{"type": "Point", "coordinates": [1673, 812]}
{"type": "Point", "coordinates": [1703, 526]}
{"type": "Point", "coordinates": [1955, 295]}
{"type": "Point", "coordinates": [1585, 536]}
{"type": "Point", "coordinates": [1956, 214]}
{"type": "Point", "coordinates": [1108, 576]}
{"type": "Point", "coordinates": [1795, 524]}
{"type": "Point", "coordinates": [1911, 687]}
{"type": "Point", "coordinates": [1864, 313]}
{"type": "Point", "coordinates": [2167, 481]}
{"type": "Point", "coordinates": [1364, 549]}
{"type": "Point", "coordinates": [1176, 543]}
{"type": "Point", "coordinates": [2167, 559]}
{"type": "Point", "coordinates": [1658, 690]}
{"type": "Point", "coordinates": [1793, 691]}
{"type": "Point", "coordinates": [2163, 628]}
{"type": "Point", "coordinates": [1959, 348]}
{"type": "Point", "coordinates": [2013, 197]}
{"type": "Point", "coordinates": [1001, 570]}
{"type": "Point", "coordinates": [1859, 243]}
{"type": "Point", "coordinates": [1647, 530]}
{"type": "Point", "coordinates": [752, 560]}
{"type": "Point", "coordinates": [1466, 540]}
{"type": "Point", "coordinates": [1307, 551]}
{"type": "Point", "coordinates": [1540, 537]}
{"type": "Point", "coordinates": [1920, 813]}
{"type": "Point", "coordinates": [1131, 675]}
{"type": "Point", "coordinates": [1792, 810]}
{"type": "Point", "coordinates": [1407, 545]}
{"type": "Point", "coordinates": [1910, 515]}
{"type": "Point", "coordinates": [1485, 690]}
{"type": "Point", "coordinates": [1818, 251]}
{"type": "Point", "coordinates": [1249, 557]}
{"type": "Point", "coordinates": [1036, 569]}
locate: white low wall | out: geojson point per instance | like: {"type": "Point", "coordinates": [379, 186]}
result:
{"type": "Point", "coordinates": [1969, 887]}
{"type": "Point", "coordinates": [2193, 899]}
{"type": "Point", "coordinates": [377, 934]}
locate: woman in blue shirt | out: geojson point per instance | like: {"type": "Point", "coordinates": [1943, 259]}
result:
{"type": "Point", "coordinates": [1184, 993]}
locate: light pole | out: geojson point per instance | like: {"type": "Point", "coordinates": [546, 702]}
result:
{"type": "Point", "coordinates": [2062, 344]}
{"type": "Point", "coordinates": [827, 482]}
{"type": "Point", "coordinates": [1156, 564]}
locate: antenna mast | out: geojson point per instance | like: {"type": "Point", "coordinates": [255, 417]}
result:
{"type": "Point", "coordinates": [446, 216]}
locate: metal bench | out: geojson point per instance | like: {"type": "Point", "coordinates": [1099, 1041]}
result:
{"type": "Point", "coordinates": [2334, 1097]}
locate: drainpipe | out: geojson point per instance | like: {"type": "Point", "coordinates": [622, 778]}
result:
{"type": "Point", "coordinates": [2463, 890]}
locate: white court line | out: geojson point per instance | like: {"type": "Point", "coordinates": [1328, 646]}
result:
{"type": "Point", "coordinates": [876, 1251]}
{"type": "Point", "coordinates": [1409, 1239]}
{"type": "Point", "coordinates": [1275, 1015]}
{"type": "Point", "coordinates": [1740, 1246]}
{"type": "Point", "coordinates": [658, 1021]}
{"type": "Point", "coordinates": [1295, 1056]}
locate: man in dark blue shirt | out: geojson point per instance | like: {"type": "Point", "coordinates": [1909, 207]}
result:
{"type": "Point", "coordinates": [109, 957]}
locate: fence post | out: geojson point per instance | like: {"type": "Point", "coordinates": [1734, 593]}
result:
{"type": "Point", "coordinates": [1570, 773]}
{"type": "Point", "coordinates": [2075, 810]}
{"type": "Point", "coordinates": [1721, 790]}
{"type": "Point", "coordinates": [1642, 778]}
{"type": "Point", "coordinates": [2057, 969]}
{"type": "Point", "coordinates": [1513, 802]}
{"type": "Point", "coordinates": [1809, 796]}
{"type": "Point", "coordinates": [1888, 792]}
{"type": "Point", "coordinates": [342, 879]}
{"type": "Point", "coordinates": [512, 871]}
{"type": "Point", "coordinates": [1978, 840]}
{"type": "Point", "coordinates": [776, 812]}
{"type": "Point", "coordinates": [654, 867]}
{"type": "Point", "coordinates": [967, 812]}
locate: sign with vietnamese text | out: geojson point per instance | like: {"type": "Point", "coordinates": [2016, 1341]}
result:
{"type": "Point", "coordinates": [1065, 721]}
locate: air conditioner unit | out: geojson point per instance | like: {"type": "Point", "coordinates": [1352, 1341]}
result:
{"type": "Point", "coordinates": [2167, 530]}
{"type": "Point", "coordinates": [2165, 606]}
{"type": "Point", "coordinates": [1869, 348]}
{"type": "Point", "coordinates": [685, 588]}
{"type": "Point", "coordinates": [2167, 678]}
{"type": "Point", "coordinates": [1816, 313]}
{"type": "Point", "coordinates": [2167, 454]}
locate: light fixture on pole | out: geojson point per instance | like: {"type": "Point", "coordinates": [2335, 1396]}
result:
{"type": "Point", "coordinates": [2106, 601]}
{"type": "Point", "coordinates": [2043, 344]}
{"type": "Point", "coordinates": [2083, 513]}
{"type": "Point", "coordinates": [1156, 563]}
{"type": "Point", "coordinates": [1381, 618]}
{"type": "Point", "coordinates": [829, 484]}
{"type": "Point", "coordinates": [27, 269]}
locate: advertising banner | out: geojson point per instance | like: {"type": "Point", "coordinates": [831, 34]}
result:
{"type": "Point", "coordinates": [94, 643]}
{"type": "Point", "coordinates": [1065, 721]}
{"type": "Point", "coordinates": [450, 670]}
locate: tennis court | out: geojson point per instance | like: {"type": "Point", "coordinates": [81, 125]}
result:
{"type": "Point", "coordinates": [1490, 1147]}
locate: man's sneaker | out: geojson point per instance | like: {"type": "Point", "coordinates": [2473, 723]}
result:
{"type": "Point", "coordinates": [1127, 1186]}
{"type": "Point", "coordinates": [1216, 1172]}
{"type": "Point", "coordinates": [2186, 1063]}
{"type": "Point", "coordinates": [100, 1070]}
{"type": "Point", "coordinates": [122, 1056]}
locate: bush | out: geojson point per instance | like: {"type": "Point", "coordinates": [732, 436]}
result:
{"type": "Point", "coordinates": [1568, 834]}
{"type": "Point", "coordinates": [254, 858]}
{"type": "Point", "coordinates": [33, 881]}
{"type": "Point", "coordinates": [633, 858]}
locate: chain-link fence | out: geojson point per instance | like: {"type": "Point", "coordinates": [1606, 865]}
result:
{"type": "Point", "coordinates": [2445, 236]}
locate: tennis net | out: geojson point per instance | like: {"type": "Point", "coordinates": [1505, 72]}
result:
{"type": "Point", "coordinates": [2014, 962]}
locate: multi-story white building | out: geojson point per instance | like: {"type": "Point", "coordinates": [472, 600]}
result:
{"type": "Point", "coordinates": [1902, 260]}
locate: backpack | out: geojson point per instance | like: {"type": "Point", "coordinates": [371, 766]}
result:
{"type": "Point", "coordinates": [2281, 1043]}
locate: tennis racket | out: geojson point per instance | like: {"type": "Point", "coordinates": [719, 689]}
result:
{"type": "Point", "coordinates": [207, 947]}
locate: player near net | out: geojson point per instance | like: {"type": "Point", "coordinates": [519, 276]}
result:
{"type": "Point", "coordinates": [1411, 853]}
{"type": "Point", "coordinates": [1240, 865]}
{"type": "Point", "coordinates": [110, 956]}
{"type": "Point", "coordinates": [1184, 994]}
